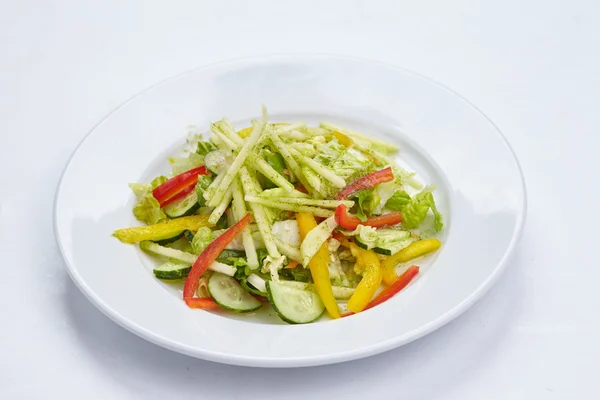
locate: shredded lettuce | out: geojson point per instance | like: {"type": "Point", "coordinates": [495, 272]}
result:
{"type": "Point", "coordinates": [366, 201]}
{"type": "Point", "coordinates": [414, 210]}
{"type": "Point", "coordinates": [180, 165]}
{"type": "Point", "coordinates": [202, 238]}
{"type": "Point", "coordinates": [204, 148]}
{"type": "Point", "coordinates": [148, 209]}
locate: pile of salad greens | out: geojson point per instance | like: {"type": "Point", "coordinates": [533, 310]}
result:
{"type": "Point", "coordinates": [305, 218]}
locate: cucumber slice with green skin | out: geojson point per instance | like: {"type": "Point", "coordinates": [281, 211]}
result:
{"type": "Point", "coordinates": [184, 207]}
{"type": "Point", "coordinates": [189, 235]}
{"type": "Point", "coordinates": [168, 240]}
{"type": "Point", "coordinates": [228, 293]}
{"type": "Point", "coordinates": [171, 271]}
{"type": "Point", "coordinates": [293, 305]}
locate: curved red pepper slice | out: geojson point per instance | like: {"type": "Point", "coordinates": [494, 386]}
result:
{"type": "Point", "coordinates": [369, 181]}
{"type": "Point", "coordinates": [390, 291]}
{"type": "Point", "coordinates": [202, 302]}
{"type": "Point", "coordinates": [350, 222]}
{"type": "Point", "coordinates": [179, 195]}
{"type": "Point", "coordinates": [399, 284]}
{"type": "Point", "coordinates": [176, 184]}
{"type": "Point", "coordinates": [210, 254]}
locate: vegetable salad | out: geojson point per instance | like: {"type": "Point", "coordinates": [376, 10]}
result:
{"type": "Point", "coordinates": [308, 219]}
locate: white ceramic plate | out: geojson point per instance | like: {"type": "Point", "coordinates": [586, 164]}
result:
{"type": "Point", "coordinates": [443, 137]}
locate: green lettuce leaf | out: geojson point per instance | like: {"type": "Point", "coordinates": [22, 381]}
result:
{"type": "Point", "coordinates": [159, 180]}
{"type": "Point", "coordinates": [414, 210]}
{"type": "Point", "coordinates": [202, 238]}
{"type": "Point", "coordinates": [204, 148]}
{"type": "Point", "coordinates": [366, 201]}
{"type": "Point", "coordinates": [180, 165]}
{"type": "Point", "coordinates": [148, 210]}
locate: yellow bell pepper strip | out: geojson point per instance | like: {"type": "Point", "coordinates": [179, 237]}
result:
{"type": "Point", "coordinates": [244, 133]}
{"type": "Point", "coordinates": [343, 139]}
{"type": "Point", "coordinates": [319, 265]}
{"type": "Point", "coordinates": [414, 250]}
{"type": "Point", "coordinates": [388, 272]}
{"type": "Point", "coordinates": [389, 292]}
{"type": "Point", "coordinates": [162, 230]}
{"type": "Point", "coordinates": [370, 281]}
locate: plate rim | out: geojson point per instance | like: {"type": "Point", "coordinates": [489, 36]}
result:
{"type": "Point", "coordinates": [358, 353]}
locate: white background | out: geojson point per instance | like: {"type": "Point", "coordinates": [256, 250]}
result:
{"type": "Point", "coordinates": [532, 66]}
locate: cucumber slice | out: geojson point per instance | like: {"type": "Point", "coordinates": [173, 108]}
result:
{"type": "Point", "coordinates": [184, 207]}
{"type": "Point", "coordinates": [228, 293]}
{"type": "Point", "coordinates": [171, 239]}
{"type": "Point", "coordinates": [293, 305]}
{"type": "Point", "coordinates": [189, 235]}
{"type": "Point", "coordinates": [172, 271]}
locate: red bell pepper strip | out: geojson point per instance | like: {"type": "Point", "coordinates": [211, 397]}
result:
{"type": "Point", "coordinates": [210, 254]}
{"type": "Point", "coordinates": [350, 222]}
{"type": "Point", "coordinates": [177, 183]}
{"type": "Point", "coordinates": [184, 192]}
{"type": "Point", "coordinates": [202, 302]}
{"type": "Point", "coordinates": [395, 287]}
{"type": "Point", "coordinates": [367, 182]}
{"type": "Point", "coordinates": [389, 292]}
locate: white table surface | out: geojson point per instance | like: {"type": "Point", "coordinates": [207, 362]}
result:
{"type": "Point", "coordinates": [532, 66]}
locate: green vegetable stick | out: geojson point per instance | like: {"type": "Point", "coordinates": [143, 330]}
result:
{"type": "Point", "coordinates": [210, 190]}
{"type": "Point", "coordinates": [288, 250]}
{"type": "Point", "coordinates": [319, 212]}
{"type": "Point", "coordinates": [239, 210]}
{"type": "Point", "coordinates": [250, 187]}
{"type": "Point", "coordinates": [314, 202]}
{"type": "Point", "coordinates": [256, 134]}
{"type": "Point", "coordinates": [226, 141]}
{"type": "Point", "coordinates": [289, 159]}
{"type": "Point", "coordinates": [326, 173]}
{"type": "Point", "coordinates": [269, 172]}
{"type": "Point", "coordinates": [221, 207]}
{"type": "Point", "coordinates": [377, 143]}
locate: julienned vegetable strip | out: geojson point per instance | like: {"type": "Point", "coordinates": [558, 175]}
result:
{"type": "Point", "coordinates": [313, 202]}
{"type": "Point", "coordinates": [210, 254]}
{"type": "Point", "coordinates": [269, 172]}
{"type": "Point", "coordinates": [376, 143]}
{"type": "Point", "coordinates": [319, 212]}
{"type": "Point", "coordinates": [221, 207]}
{"type": "Point", "coordinates": [162, 230]}
{"type": "Point", "coordinates": [176, 184]}
{"type": "Point", "coordinates": [210, 190]}
{"type": "Point", "coordinates": [264, 227]}
{"type": "Point", "coordinates": [289, 251]}
{"type": "Point", "coordinates": [367, 182]}
{"type": "Point", "coordinates": [351, 222]}
{"type": "Point", "coordinates": [238, 161]}
{"type": "Point", "coordinates": [235, 143]}
{"type": "Point", "coordinates": [239, 210]}
{"type": "Point", "coordinates": [400, 283]}
{"type": "Point", "coordinates": [318, 168]}
{"type": "Point", "coordinates": [288, 158]}
{"type": "Point", "coordinates": [319, 266]}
